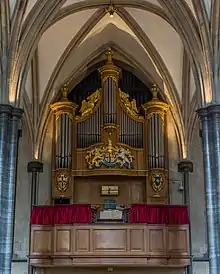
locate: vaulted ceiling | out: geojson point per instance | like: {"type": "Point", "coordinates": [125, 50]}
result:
{"type": "Point", "coordinates": [174, 44]}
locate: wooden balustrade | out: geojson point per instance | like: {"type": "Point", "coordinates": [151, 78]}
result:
{"type": "Point", "coordinates": [110, 244]}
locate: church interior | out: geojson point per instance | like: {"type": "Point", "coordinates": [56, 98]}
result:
{"type": "Point", "coordinates": [109, 166]}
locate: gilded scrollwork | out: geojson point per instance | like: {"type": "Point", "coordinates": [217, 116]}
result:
{"type": "Point", "coordinates": [88, 105]}
{"type": "Point", "coordinates": [130, 105]}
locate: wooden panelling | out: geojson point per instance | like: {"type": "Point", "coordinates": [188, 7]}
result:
{"type": "Point", "coordinates": [41, 240]}
{"type": "Point", "coordinates": [82, 240]}
{"type": "Point", "coordinates": [63, 240]}
{"type": "Point", "coordinates": [137, 240]}
{"type": "Point", "coordinates": [88, 189]}
{"type": "Point", "coordinates": [156, 240]}
{"type": "Point", "coordinates": [122, 244]}
{"type": "Point", "coordinates": [177, 240]}
{"type": "Point", "coordinates": [105, 240]}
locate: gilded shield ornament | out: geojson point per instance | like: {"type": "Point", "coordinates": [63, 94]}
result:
{"type": "Point", "coordinates": [157, 182]}
{"type": "Point", "coordinates": [62, 182]}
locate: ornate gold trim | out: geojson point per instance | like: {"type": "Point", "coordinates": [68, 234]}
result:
{"type": "Point", "coordinates": [129, 106]}
{"type": "Point", "coordinates": [64, 106]}
{"type": "Point", "coordinates": [109, 70]}
{"type": "Point", "coordinates": [155, 106]}
{"type": "Point", "coordinates": [109, 156]}
{"type": "Point", "coordinates": [157, 180]}
{"type": "Point", "coordinates": [89, 106]}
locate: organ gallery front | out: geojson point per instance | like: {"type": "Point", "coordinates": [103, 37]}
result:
{"type": "Point", "coordinates": [109, 179]}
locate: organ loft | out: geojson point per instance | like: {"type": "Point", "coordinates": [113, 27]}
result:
{"type": "Point", "coordinates": [110, 204]}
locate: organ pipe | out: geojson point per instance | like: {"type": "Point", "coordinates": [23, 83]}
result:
{"type": "Point", "coordinates": [89, 131]}
{"type": "Point", "coordinates": [130, 131]}
{"type": "Point", "coordinates": [155, 115]}
{"type": "Point", "coordinates": [63, 143]}
{"type": "Point", "coordinates": [109, 76]}
{"type": "Point", "coordinates": [156, 149]}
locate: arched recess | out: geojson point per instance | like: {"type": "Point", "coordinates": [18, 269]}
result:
{"type": "Point", "coordinates": [192, 42]}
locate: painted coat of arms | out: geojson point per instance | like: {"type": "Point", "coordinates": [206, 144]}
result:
{"type": "Point", "coordinates": [62, 182]}
{"type": "Point", "coordinates": [157, 182]}
{"type": "Point", "coordinates": [109, 156]}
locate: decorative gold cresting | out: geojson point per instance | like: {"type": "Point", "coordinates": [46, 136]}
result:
{"type": "Point", "coordinates": [64, 106]}
{"type": "Point", "coordinates": [155, 106]}
{"type": "Point", "coordinates": [109, 69]}
{"type": "Point", "coordinates": [89, 105]}
{"type": "Point", "coordinates": [129, 105]}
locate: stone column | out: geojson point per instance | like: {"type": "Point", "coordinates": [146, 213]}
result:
{"type": "Point", "coordinates": [5, 112]}
{"type": "Point", "coordinates": [186, 167]}
{"type": "Point", "coordinates": [8, 195]}
{"type": "Point", "coordinates": [34, 167]}
{"type": "Point", "coordinates": [10, 123]}
{"type": "Point", "coordinates": [211, 151]}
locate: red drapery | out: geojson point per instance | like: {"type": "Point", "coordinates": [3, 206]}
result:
{"type": "Point", "coordinates": [159, 214]}
{"type": "Point", "coordinates": [82, 214]}
{"type": "Point", "coordinates": [61, 214]}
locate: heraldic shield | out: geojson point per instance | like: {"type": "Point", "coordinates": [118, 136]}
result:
{"type": "Point", "coordinates": [109, 156]}
{"type": "Point", "coordinates": [62, 182]}
{"type": "Point", "coordinates": [157, 182]}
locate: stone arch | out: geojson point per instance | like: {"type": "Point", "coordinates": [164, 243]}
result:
{"type": "Point", "coordinates": [192, 43]}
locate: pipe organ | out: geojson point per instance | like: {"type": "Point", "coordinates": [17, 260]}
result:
{"type": "Point", "coordinates": [108, 133]}
{"type": "Point", "coordinates": [63, 161]}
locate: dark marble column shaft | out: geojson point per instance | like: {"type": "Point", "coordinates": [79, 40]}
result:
{"type": "Point", "coordinates": [8, 196]}
{"type": "Point", "coordinates": [186, 167]}
{"type": "Point", "coordinates": [5, 112]}
{"type": "Point", "coordinates": [8, 187]}
{"type": "Point", "coordinates": [34, 167]}
{"type": "Point", "coordinates": [211, 142]}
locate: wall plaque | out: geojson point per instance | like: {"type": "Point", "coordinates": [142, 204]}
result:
{"type": "Point", "coordinates": [109, 190]}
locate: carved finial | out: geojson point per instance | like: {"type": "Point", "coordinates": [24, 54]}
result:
{"type": "Point", "coordinates": [64, 91]}
{"type": "Point", "coordinates": [155, 91]}
{"type": "Point", "coordinates": [109, 145]}
{"type": "Point", "coordinates": [109, 55]}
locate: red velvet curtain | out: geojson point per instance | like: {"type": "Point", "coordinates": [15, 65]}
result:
{"type": "Point", "coordinates": [159, 214]}
{"type": "Point", "coordinates": [61, 214]}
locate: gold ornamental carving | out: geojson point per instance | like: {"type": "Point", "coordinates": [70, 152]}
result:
{"type": "Point", "coordinates": [109, 70]}
{"type": "Point", "coordinates": [109, 156]}
{"type": "Point", "coordinates": [62, 182]}
{"type": "Point", "coordinates": [89, 105]}
{"type": "Point", "coordinates": [155, 106]}
{"type": "Point", "coordinates": [64, 106]}
{"type": "Point", "coordinates": [129, 105]}
{"type": "Point", "coordinates": [157, 181]}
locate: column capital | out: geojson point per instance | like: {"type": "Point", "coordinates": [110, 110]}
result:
{"type": "Point", "coordinates": [4, 108]}
{"type": "Point", "coordinates": [35, 166]}
{"type": "Point", "coordinates": [211, 109]}
{"type": "Point", "coordinates": [17, 112]}
{"type": "Point", "coordinates": [185, 166]}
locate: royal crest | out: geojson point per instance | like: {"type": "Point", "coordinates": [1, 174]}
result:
{"type": "Point", "coordinates": [157, 182]}
{"type": "Point", "coordinates": [109, 156]}
{"type": "Point", "coordinates": [62, 182]}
